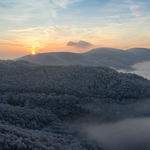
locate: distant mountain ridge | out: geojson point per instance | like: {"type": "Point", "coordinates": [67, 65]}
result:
{"type": "Point", "coordinates": [116, 58]}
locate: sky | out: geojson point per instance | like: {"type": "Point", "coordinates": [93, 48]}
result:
{"type": "Point", "coordinates": [72, 25]}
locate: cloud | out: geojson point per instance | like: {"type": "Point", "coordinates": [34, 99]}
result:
{"type": "Point", "coordinates": [20, 10]}
{"type": "Point", "coordinates": [54, 13]}
{"type": "Point", "coordinates": [142, 69]}
{"type": "Point", "coordinates": [64, 3]}
{"type": "Point", "coordinates": [128, 134]}
{"type": "Point", "coordinates": [25, 37]}
{"type": "Point", "coordinates": [137, 10]}
{"type": "Point", "coordinates": [105, 27]}
{"type": "Point", "coordinates": [61, 3]}
{"type": "Point", "coordinates": [80, 44]}
{"type": "Point", "coordinates": [129, 129]}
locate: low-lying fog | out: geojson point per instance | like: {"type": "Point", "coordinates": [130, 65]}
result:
{"type": "Point", "coordinates": [142, 69]}
{"type": "Point", "coordinates": [128, 130]}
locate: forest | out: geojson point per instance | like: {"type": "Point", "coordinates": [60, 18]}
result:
{"type": "Point", "coordinates": [43, 107]}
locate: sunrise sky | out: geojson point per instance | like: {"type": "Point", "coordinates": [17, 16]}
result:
{"type": "Point", "coordinates": [72, 25]}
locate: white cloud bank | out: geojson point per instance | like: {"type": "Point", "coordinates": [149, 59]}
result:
{"type": "Point", "coordinates": [80, 44]}
{"type": "Point", "coordinates": [128, 134]}
{"type": "Point", "coordinates": [142, 69]}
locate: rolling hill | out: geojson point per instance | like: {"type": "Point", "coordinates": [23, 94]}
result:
{"type": "Point", "coordinates": [141, 53]}
{"type": "Point", "coordinates": [45, 107]}
{"type": "Point", "coordinates": [116, 58]}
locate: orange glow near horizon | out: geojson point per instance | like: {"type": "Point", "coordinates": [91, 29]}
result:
{"type": "Point", "coordinates": [33, 51]}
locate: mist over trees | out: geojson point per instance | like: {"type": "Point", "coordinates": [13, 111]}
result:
{"type": "Point", "coordinates": [41, 106]}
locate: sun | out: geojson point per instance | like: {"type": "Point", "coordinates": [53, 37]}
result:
{"type": "Point", "coordinates": [33, 52]}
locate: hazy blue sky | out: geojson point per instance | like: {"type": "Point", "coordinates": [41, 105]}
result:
{"type": "Point", "coordinates": [72, 25]}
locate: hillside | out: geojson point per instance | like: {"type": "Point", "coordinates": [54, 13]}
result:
{"type": "Point", "coordinates": [118, 59]}
{"type": "Point", "coordinates": [58, 58]}
{"type": "Point", "coordinates": [76, 80]}
{"type": "Point", "coordinates": [111, 57]}
{"type": "Point", "coordinates": [141, 53]}
{"type": "Point", "coordinates": [43, 107]}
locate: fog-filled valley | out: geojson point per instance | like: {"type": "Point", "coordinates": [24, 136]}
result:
{"type": "Point", "coordinates": [74, 75]}
{"type": "Point", "coordinates": [72, 107]}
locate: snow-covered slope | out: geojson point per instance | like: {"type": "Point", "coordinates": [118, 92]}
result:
{"type": "Point", "coordinates": [119, 59]}
{"type": "Point", "coordinates": [42, 107]}
{"type": "Point", "coordinates": [141, 53]}
{"type": "Point", "coordinates": [111, 57]}
{"type": "Point", "coordinates": [80, 80]}
{"type": "Point", "coordinates": [58, 58]}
